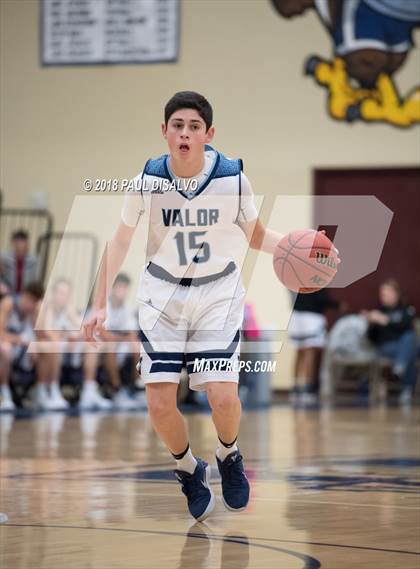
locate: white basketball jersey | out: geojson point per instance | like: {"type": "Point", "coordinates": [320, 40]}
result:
{"type": "Point", "coordinates": [193, 229]}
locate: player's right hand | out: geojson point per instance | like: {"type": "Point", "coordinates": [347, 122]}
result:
{"type": "Point", "coordinates": [93, 326]}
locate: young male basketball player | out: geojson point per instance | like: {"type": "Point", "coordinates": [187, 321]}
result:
{"type": "Point", "coordinates": [191, 293]}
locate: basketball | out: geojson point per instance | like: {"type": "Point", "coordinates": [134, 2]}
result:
{"type": "Point", "coordinates": [305, 261]}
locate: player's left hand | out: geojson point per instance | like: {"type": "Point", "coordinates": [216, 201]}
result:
{"type": "Point", "coordinates": [93, 327]}
{"type": "Point", "coordinates": [337, 252]}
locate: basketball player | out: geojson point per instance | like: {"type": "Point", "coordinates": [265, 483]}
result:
{"type": "Point", "coordinates": [191, 294]}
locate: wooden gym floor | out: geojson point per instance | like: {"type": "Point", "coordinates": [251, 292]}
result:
{"type": "Point", "coordinates": [336, 488]}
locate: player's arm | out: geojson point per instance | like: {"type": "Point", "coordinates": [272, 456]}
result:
{"type": "Point", "coordinates": [260, 237]}
{"type": "Point", "coordinates": [263, 239]}
{"type": "Point", "coordinates": [115, 253]}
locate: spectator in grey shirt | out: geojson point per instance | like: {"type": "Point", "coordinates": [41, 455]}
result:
{"type": "Point", "coordinates": [18, 265]}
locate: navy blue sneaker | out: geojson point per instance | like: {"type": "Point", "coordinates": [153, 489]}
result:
{"type": "Point", "coordinates": [196, 488]}
{"type": "Point", "coordinates": [235, 485]}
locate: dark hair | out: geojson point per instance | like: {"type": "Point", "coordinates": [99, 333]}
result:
{"type": "Point", "coordinates": [122, 278]}
{"type": "Point", "coordinates": [20, 234]}
{"type": "Point", "coordinates": [190, 100]}
{"type": "Point", "coordinates": [34, 289]}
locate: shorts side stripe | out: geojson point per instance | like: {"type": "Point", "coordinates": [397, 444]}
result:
{"type": "Point", "coordinates": [215, 354]}
{"type": "Point", "coordinates": [166, 367]}
{"type": "Point", "coordinates": [155, 355]}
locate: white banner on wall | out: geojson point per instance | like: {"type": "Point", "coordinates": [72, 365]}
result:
{"type": "Point", "coordinates": [80, 32]}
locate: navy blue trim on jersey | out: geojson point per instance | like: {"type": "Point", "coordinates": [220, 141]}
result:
{"type": "Point", "coordinates": [157, 167]}
{"type": "Point", "coordinates": [158, 367]}
{"type": "Point", "coordinates": [162, 361]}
{"type": "Point", "coordinates": [222, 168]}
{"type": "Point", "coordinates": [239, 196]}
{"type": "Point", "coordinates": [160, 273]}
{"type": "Point", "coordinates": [205, 183]}
{"type": "Point", "coordinates": [142, 176]}
{"type": "Point", "coordinates": [213, 354]}
{"type": "Point", "coordinates": [155, 355]}
{"type": "Point", "coordinates": [228, 167]}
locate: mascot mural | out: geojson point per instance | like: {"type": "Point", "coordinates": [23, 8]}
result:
{"type": "Point", "coordinates": [372, 39]}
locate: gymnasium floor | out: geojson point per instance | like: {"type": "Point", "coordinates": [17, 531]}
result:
{"type": "Point", "coordinates": [336, 488]}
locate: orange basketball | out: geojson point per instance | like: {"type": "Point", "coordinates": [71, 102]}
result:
{"type": "Point", "coordinates": [305, 261]}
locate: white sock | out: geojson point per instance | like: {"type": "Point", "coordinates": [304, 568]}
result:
{"type": "Point", "coordinates": [42, 390]}
{"type": "Point", "coordinates": [55, 389]}
{"type": "Point", "coordinates": [5, 392]}
{"type": "Point", "coordinates": [187, 463]}
{"type": "Point", "coordinates": [89, 385]}
{"type": "Point", "coordinates": [222, 451]}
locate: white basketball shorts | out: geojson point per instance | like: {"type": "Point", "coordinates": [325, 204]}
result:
{"type": "Point", "coordinates": [197, 327]}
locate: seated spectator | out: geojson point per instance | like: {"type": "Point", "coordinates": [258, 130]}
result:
{"type": "Point", "coordinates": [17, 319]}
{"type": "Point", "coordinates": [18, 265]}
{"type": "Point", "coordinates": [120, 332]}
{"type": "Point", "coordinates": [307, 331]}
{"type": "Point", "coordinates": [4, 287]}
{"type": "Point", "coordinates": [60, 324]}
{"type": "Point", "coordinates": [391, 331]}
{"type": "Point", "coordinates": [347, 347]}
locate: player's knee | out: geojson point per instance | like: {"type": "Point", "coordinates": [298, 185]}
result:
{"type": "Point", "coordinates": [159, 405]}
{"type": "Point", "coordinates": [223, 402]}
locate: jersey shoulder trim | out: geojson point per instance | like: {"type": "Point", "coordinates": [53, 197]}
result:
{"type": "Point", "coordinates": [157, 167]}
{"type": "Point", "coordinates": [224, 167]}
{"type": "Point", "coordinates": [228, 167]}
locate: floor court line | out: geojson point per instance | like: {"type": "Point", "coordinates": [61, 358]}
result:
{"type": "Point", "coordinates": [309, 562]}
{"type": "Point", "coordinates": [259, 499]}
{"type": "Point", "coordinates": [235, 539]}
